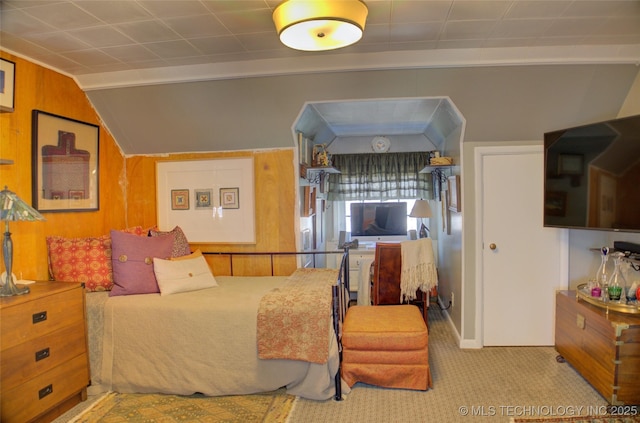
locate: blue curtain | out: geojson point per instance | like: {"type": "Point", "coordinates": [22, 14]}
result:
{"type": "Point", "coordinates": [382, 176]}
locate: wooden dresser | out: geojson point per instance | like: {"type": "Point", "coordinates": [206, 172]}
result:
{"type": "Point", "coordinates": [603, 347]}
{"type": "Point", "coordinates": [44, 365]}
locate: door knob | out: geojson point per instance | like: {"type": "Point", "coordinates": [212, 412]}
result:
{"type": "Point", "coordinates": [493, 246]}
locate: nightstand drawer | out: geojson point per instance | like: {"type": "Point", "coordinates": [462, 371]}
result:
{"type": "Point", "coordinates": [40, 355]}
{"type": "Point", "coordinates": [41, 316]}
{"type": "Point", "coordinates": [43, 392]}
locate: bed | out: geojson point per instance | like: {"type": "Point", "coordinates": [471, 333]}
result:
{"type": "Point", "coordinates": [249, 334]}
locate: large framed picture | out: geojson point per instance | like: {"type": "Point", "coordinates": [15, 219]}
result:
{"type": "Point", "coordinates": [64, 163]}
{"type": "Point", "coordinates": [7, 85]}
{"type": "Point", "coordinates": [222, 199]}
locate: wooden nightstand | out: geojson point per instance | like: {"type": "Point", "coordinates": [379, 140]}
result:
{"type": "Point", "coordinates": [44, 363]}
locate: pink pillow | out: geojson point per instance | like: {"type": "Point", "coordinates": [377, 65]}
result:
{"type": "Point", "coordinates": [180, 245]}
{"type": "Point", "coordinates": [132, 261]}
{"type": "Point", "coordinates": [86, 260]}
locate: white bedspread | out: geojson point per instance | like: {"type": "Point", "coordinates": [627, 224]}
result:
{"type": "Point", "coordinates": [201, 341]}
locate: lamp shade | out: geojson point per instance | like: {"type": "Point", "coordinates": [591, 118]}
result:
{"type": "Point", "coordinates": [13, 208]}
{"type": "Point", "coordinates": [313, 25]}
{"type": "Point", "coordinates": [421, 208]}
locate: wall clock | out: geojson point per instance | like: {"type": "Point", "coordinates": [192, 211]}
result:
{"type": "Point", "coordinates": [380, 144]}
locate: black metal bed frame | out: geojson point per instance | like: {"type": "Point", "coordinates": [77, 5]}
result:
{"type": "Point", "coordinates": [340, 292]}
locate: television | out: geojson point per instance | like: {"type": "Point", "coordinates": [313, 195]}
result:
{"type": "Point", "coordinates": [379, 221]}
{"type": "Point", "coordinates": [592, 176]}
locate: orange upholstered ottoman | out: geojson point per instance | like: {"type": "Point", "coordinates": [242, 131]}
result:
{"type": "Point", "coordinates": [386, 346]}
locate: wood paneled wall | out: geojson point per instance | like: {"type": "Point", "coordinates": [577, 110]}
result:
{"type": "Point", "coordinates": [274, 201]}
{"type": "Point", "coordinates": [40, 88]}
{"type": "Point", "coordinates": [127, 185]}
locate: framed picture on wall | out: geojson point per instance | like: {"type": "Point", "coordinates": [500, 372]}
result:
{"type": "Point", "coordinates": [7, 85]}
{"type": "Point", "coordinates": [64, 163]}
{"type": "Point", "coordinates": [230, 198]}
{"type": "Point", "coordinates": [454, 193]}
{"type": "Point", "coordinates": [179, 199]}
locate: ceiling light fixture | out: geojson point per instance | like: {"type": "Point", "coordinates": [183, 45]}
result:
{"type": "Point", "coordinates": [313, 25]}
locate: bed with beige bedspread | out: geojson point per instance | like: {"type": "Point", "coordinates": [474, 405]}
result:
{"type": "Point", "coordinates": [247, 335]}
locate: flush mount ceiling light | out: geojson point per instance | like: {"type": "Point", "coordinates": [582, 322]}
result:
{"type": "Point", "coordinates": [313, 25]}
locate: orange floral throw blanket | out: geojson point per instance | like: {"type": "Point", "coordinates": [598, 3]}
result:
{"type": "Point", "coordinates": [294, 321]}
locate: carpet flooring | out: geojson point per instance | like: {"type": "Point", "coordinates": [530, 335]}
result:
{"type": "Point", "coordinates": [582, 419]}
{"type": "Point", "coordinates": [493, 384]}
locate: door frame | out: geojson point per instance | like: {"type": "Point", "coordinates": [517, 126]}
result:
{"type": "Point", "coordinates": [479, 153]}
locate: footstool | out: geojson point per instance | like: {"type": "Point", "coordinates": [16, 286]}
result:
{"type": "Point", "coordinates": [386, 346]}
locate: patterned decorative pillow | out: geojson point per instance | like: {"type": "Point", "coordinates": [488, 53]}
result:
{"type": "Point", "coordinates": [132, 261]}
{"type": "Point", "coordinates": [180, 245]}
{"type": "Point", "coordinates": [86, 260]}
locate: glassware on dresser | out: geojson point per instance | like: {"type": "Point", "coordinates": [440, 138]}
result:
{"type": "Point", "coordinates": [617, 283]}
{"type": "Point", "coordinates": [602, 275]}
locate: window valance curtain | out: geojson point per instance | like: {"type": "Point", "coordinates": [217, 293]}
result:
{"type": "Point", "coordinates": [379, 176]}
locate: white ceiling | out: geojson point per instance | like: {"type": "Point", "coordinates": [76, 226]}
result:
{"type": "Point", "coordinates": [82, 37]}
{"type": "Point", "coordinates": [128, 44]}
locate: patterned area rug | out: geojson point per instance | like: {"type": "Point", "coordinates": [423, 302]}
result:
{"type": "Point", "coordinates": [581, 419]}
{"type": "Point", "coordinates": [270, 407]}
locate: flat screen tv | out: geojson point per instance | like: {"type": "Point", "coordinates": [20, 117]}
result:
{"type": "Point", "coordinates": [371, 221]}
{"type": "Point", "coordinates": [592, 176]}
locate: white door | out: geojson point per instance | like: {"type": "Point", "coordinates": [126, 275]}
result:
{"type": "Point", "coordinates": [521, 260]}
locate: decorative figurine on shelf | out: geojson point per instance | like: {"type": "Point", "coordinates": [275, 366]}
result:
{"type": "Point", "coordinates": [321, 155]}
{"type": "Point", "coordinates": [618, 284]}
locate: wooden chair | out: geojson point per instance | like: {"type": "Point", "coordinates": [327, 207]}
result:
{"type": "Point", "coordinates": [385, 289]}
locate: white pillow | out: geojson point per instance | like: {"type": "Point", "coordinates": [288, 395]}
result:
{"type": "Point", "coordinates": [185, 275]}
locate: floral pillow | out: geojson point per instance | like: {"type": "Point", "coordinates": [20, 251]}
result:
{"type": "Point", "coordinates": [180, 244]}
{"type": "Point", "coordinates": [86, 260]}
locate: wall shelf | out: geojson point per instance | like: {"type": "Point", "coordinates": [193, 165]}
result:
{"type": "Point", "coordinates": [315, 175]}
{"type": "Point", "coordinates": [431, 168]}
{"type": "Point", "coordinates": [325, 169]}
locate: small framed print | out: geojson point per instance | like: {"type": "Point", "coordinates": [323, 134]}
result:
{"type": "Point", "coordinates": [179, 199]}
{"type": "Point", "coordinates": [454, 193]}
{"type": "Point", "coordinates": [7, 85]}
{"type": "Point", "coordinates": [204, 198]}
{"type": "Point", "coordinates": [230, 198]}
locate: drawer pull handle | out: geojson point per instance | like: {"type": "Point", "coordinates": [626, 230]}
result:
{"type": "Point", "coordinates": [42, 354]}
{"type": "Point", "coordinates": [39, 317]}
{"type": "Point", "coordinates": [45, 391]}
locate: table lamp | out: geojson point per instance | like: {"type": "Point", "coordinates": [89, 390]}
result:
{"type": "Point", "coordinates": [421, 209]}
{"type": "Point", "coordinates": [13, 208]}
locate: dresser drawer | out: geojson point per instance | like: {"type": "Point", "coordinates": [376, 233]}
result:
{"type": "Point", "coordinates": [41, 316]}
{"type": "Point", "coordinates": [40, 355]}
{"type": "Point", "coordinates": [45, 391]}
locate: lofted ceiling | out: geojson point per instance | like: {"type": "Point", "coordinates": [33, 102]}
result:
{"type": "Point", "coordinates": [148, 66]}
